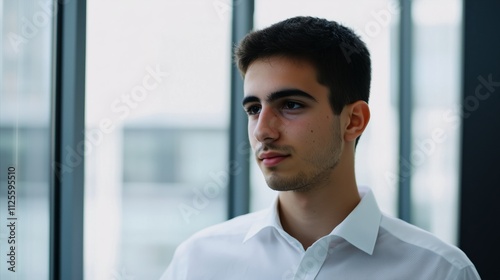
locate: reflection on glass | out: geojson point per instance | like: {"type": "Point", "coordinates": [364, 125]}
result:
{"type": "Point", "coordinates": [157, 107]}
{"type": "Point", "coordinates": [25, 98]}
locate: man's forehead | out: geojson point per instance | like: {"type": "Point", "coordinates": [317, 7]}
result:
{"type": "Point", "coordinates": [276, 73]}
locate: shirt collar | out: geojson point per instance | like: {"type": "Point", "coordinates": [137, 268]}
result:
{"type": "Point", "coordinates": [360, 227]}
{"type": "Point", "coordinates": [269, 218]}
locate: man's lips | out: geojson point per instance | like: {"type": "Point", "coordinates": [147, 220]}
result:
{"type": "Point", "coordinates": [270, 159]}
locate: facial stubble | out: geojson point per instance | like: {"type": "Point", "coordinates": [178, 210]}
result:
{"type": "Point", "coordinates": [321, 162]}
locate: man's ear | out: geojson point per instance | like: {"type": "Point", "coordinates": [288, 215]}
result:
{"type": "Point", "coordinates": [358, 116]}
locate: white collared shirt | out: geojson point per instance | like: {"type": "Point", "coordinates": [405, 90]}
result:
{"type": "Point", "coordinates": [366, 245]}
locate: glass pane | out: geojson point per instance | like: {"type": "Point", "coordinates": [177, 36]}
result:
{"type": "Point", "coordinates": [25, 100]}
{"type": "Point", "coordinates": [157, 113]}
{"type": "Point", "coordinates": [436, 119]}
{"type": "Point", "coordinates": [376, 23]}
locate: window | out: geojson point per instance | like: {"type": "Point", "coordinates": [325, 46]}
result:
{"type": "Point", "coordinates": [436, 122]}
{"type": "Point", "coordinates": [25, 133]}
{"type": "Point", "coordinates": [157, 105]}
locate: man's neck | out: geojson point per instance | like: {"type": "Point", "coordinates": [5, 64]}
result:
{"type": "Point", "coordinates": [308, 216]}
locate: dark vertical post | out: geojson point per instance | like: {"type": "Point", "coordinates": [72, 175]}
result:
{"type": "Point", "coordinates": [68, 162]}
{"type": "Point", "coordinates": [239, 178]}
{"type": "Point", "coordinates": [480, 164]}
{"type": "Point", "coordinates": [405, 110]}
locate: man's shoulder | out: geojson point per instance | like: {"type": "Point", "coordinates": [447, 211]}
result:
{"type": "Point", "coordinates": [210, 250]}
{"type": "Point", "coordinates": [416, 238]}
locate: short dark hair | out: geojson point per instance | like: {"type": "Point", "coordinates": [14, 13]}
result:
{"type": "Point", "coordinates": [338, 54]}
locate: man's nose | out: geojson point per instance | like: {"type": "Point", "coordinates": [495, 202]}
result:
{"type": "Point", "coordinates": [267, 128]}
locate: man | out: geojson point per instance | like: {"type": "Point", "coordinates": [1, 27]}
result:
{"type": "Point", "coordinates": [306, 84]}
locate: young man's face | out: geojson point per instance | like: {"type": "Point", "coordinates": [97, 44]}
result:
{"type": "Point", "coordinates": [294, 134]}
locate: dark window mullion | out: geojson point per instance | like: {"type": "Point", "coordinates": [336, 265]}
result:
{"type": "Point", "coordinates": [239, 178]}
{"type": "Point", "coordinates": [67, 166]}
{"type": "Point", "coordinates": [405, 110]}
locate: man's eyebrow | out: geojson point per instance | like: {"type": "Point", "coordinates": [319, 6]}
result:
{"type": "Point", "coordinates": [278, 95]}
{"type": "Point", "coordinates": [289, 93]}
{"type": "Point", "coordinates": [249, 99]}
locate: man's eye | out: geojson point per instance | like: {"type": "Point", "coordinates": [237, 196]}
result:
{"type": "Point", "coordinates": [292, 105]}
{"type": "Point", "coordinates": [252, 110]}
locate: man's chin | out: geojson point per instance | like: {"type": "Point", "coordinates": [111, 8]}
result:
{"type": "Point", "coordinates": [279, 183]}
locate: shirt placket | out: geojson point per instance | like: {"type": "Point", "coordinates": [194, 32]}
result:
{"type": "Point", "coordinates": [313, 260]}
